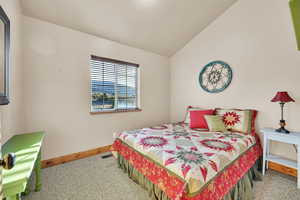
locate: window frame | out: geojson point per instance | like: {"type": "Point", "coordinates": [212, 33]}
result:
{"type": "Point", "coordinates": [104, 59]}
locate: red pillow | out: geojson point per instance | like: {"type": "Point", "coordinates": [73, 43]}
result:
{"type": "Point", "coordinates": [197, 118]}
{"type": "Point", "coordinates": [253, 132]}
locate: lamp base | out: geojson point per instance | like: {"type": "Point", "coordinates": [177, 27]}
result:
{"type": "Point", "coordinates": [282, 130]}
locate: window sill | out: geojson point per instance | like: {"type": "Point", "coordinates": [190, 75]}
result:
{"type": "Point", "coordinates": [114, 111]}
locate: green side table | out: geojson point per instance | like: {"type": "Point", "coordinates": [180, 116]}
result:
{"type": "Point", "coordinates": [27, 148]}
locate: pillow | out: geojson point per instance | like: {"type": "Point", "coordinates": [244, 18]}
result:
{"type": "Point", "coordinates": [215, 123]}
{"type": "Point", "coordinates": [254, 115]}
{"type": "Point", "coordinates": [242, 121]}
{"type": "Point", "coordinates": [187, 119]}
{"type": "Point", "coordinates": [197, 118]}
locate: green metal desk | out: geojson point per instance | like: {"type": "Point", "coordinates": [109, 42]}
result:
{"type": "Point", "coordinates": [27, 148]}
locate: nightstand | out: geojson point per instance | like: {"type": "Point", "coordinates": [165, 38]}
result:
{"type": "Point", "coordinates": [292, 138]}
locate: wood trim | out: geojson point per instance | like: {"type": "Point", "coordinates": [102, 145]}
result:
{"type": "Point", "coordinates": [80, 155]}
{"type": "Point", "coordinates": [283, 169]}
{"type": "Point", "coordinates": [93, 57]}
{"type": "Point", "coordinates": [115, 111]}
{"type": "Point", "coordinates": [74, 156]}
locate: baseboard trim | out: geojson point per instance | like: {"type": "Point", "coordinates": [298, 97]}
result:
{"type": "Point", "coordinates": [74, 156]}
{"type": "Point", "coordinates": [283, 169]}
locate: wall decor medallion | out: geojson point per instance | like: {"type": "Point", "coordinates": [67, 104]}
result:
{"type": "Point", "coordinates": [215, 77]}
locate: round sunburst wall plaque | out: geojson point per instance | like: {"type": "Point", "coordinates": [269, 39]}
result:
{"type": "Point", "coordinates": [215, 77]}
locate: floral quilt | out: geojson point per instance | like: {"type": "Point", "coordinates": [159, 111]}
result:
{"type": "Point", "coordinates": [193, 157]}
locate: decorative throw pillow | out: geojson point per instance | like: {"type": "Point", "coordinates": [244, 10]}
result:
{"type": "Point", "coordinates": [215, 123]}
{"type": "Point", "coordinates": [236, 120]}
{"type": "Point", "coordinates": [187, 119]}
{"type": "Point", "coordinates": [197, 118]}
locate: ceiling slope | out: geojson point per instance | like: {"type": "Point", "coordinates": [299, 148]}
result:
{"type": "Point", "coordinates": [159, 26]}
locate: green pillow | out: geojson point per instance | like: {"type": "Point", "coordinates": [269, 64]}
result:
{"type": "Point", "coordinates": [215, 123]}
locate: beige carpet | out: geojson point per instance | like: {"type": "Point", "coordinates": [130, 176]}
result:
{"type": "Point", "coordinates": [95, 178]}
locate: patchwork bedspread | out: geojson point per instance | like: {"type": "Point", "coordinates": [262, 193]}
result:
{"type": "Point", "coordinates": [182, 161]}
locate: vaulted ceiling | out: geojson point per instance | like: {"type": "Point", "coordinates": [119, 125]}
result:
{"type": "Point", "coordinates": [159, 26]}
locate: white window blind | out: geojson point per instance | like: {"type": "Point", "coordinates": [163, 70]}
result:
{"type": "Point", "coordinates": [113, 85]}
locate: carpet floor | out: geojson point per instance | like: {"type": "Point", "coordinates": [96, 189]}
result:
{"type": "Point", "coordinates": [95, 178]}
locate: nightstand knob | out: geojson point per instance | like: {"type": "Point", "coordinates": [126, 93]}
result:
{"type": "Point", "coordinates": [8, 161]}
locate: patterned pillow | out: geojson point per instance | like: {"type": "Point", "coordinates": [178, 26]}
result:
{"type": "Point", "coordinates": [215, 123]}
{"type": "Point", "coordinates": [236, 120]}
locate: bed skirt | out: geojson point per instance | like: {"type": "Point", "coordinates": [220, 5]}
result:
{"type": "Point", "coordinates": [241, 191]}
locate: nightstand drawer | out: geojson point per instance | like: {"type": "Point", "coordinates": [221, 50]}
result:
{"type": "Point", "coordinates": [292, 138]}
{"type": "Point", "coordinates": [282, 138]}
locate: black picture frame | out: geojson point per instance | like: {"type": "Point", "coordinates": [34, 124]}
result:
{"type": "Point", "coordinates": [4, 95]}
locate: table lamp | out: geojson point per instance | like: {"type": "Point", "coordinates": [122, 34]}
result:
{"type": "Point", "coordinates": [282, 98]}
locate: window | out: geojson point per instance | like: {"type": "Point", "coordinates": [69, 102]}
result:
{"type": "Point", "coordinates": [114, 85]}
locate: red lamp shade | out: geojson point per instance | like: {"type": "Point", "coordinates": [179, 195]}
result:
{"type": "Point", "coordinates": [282, 97]}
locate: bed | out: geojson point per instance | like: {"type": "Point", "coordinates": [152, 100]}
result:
{"type": "Point", "coordinates": [175, 162]}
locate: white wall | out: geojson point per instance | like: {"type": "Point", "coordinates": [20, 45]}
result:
{"type": "Point", "coordinates": [12, 115]}
{"type": "Point", "coordinates": [257, 39]}
{"type": "Point", "coordinates": [56, 83]}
